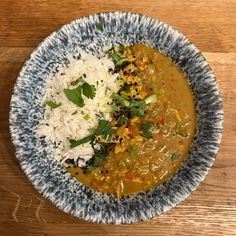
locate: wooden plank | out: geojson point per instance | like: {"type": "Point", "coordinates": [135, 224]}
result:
{"type": "Point", "coordinates": [211, 25]}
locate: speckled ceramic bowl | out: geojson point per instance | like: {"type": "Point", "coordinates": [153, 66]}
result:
{"type": "Point", "coordinates": [36, 156]}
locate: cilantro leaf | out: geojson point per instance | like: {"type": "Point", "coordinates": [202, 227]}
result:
{"type": "Point", "coordinates": [100, 27]}
{"type": "Point", "coordinates": [74, 95]}
{"type": "Point", "coordinates": [104, 129]}
{"type": "Point", "coordinates": [53, 104]}
{"type": "Point", "coordinates": [103, 152]}
{"type": "Point", "coordinates": [99, 156]}
{"type": "Point", "coordinates": [122, 48]}
{"type": "Point", "coordinates": [117, 58]}
{"type": "Point", "coordinates": [174, 157]}
{"type": "Point", "coordinates": [121, 61]}
{"type": "Point", "coordinates": [75, 82]}
{"type": "Point", "coordinates": [75, 143]}
{"type": "Point", "coordinates": [145, 130]}
{"type": "Point", "coordinates": [89, 90]}
{"type": "Point", "coordinates": [137, 108]}
{"type": "Point", "coordinates": [122, 120]}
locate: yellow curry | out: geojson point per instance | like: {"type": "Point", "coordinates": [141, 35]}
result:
{"type": "Point", "coordinates": [151, 146]}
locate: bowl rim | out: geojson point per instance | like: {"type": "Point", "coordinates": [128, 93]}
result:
{"type": "Point", "coordinates": [21, 75]}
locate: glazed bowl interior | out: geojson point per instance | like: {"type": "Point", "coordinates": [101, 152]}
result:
{"type": "Point", "coordinates": [36, 156]}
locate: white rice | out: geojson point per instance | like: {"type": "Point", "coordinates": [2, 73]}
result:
{"type": "Point", "coordinates": [58, 124]}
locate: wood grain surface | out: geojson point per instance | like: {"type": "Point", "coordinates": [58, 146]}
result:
{"type": "Point", "coordinates": [211, 26]}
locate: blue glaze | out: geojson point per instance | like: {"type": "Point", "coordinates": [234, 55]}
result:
{"type": "Point", "coordinates": [36, 156]}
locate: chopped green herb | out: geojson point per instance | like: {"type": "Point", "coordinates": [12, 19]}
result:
{"type": "Point", "coordinates": [91, 130]}
{"type": "Point", "coordinates": [87, 117]}
{"type": "Point", "coordinates": [121, 61]}
{"type": "Point", "coordinates": [96, 162]}
{"type": "Point", "coordinates": [75, 143]}
{"type": "Point", "coordinates": [145, 130]}
{"type": "Point", "coordinates": [89, 90]}
{"type": "Point", "coordinates": [103, 152]}
{"type": "Point", "coordinates": [174, 157]}
{"type": "Point", "coordinates": [99, 156]}
{"type": "Point", "coordinates": [74, 95]}
{"type": "Point", "coordinates": [115, 56]}
{"type": "Point", "coordinates": [122, 121]}
{"type": "Point", "coordinates": [75, 82]}
{"type": "Point", "coordinates": [100, 27]}
{"type": "Point", "coordinates": [137, 108]}
{"type": "Point", "coordinates": [121, 48]}
{"type": "Point", "coordinates": [133, 150]}
{"type": "Point", "coordinates": [120, 99]}
{"type": "Point", "coordinates": [114, 108]}
{"type": "Point", "coordinates": [53, 104]}
{"type": "Point", "coordinates": [118, 59]}
{"type": "Point", "coordinates": [104, 129]}
{"type": "Point", "coordinates": [74, 113]}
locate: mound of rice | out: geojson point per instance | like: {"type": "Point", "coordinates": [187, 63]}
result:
{"type": "Point", "coordinates": [68, 121]}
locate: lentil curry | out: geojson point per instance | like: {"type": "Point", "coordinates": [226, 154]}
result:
{"type": "Point", "coordinates": [152, 128]}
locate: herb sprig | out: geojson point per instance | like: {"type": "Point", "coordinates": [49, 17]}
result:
{"type": "Point", "coordinates": [145, 130]}
{"type": "Point", "coordinates": [75, 143]}
{"type": "Point", "coordinates": [75, 82]}
{"type": "Point", "coordinates": [118, 58]}
{"type": "Point", "coordinates": [103, 129]}
{"type": "Point", "coordinates": [89, 90]}
{"type": "Point", "coordinates": [75, 94]}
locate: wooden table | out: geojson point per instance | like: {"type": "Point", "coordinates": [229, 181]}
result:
{"type": "Point", "coordinates": [211, 26]}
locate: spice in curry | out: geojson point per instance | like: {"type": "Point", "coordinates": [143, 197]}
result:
{"type": "Point", "coordinates": [152, 128]}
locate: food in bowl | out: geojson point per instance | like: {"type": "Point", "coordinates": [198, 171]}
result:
{"type": "Point", "coordinates": [122, 121]}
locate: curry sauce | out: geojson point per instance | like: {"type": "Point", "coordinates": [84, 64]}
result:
{"type": "Point", "coordinates": [146, 162]}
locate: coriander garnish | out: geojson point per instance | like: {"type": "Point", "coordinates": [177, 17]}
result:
{"type": "Point", "coordinates": [145, 130]}
{"type": "Point", "coordinates": [75, 143]}
{"type": "Point", "coordinates": [75, 96]}
{"type": "Point", "coordinates": [53, 104]}
{"type": "Point", "coordinates": [89, 90]}
{"type": "Point", "coordinates": [75, 82]}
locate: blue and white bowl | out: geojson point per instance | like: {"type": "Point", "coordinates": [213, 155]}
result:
{"type": "Point", "coordinates": [35, 155]}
